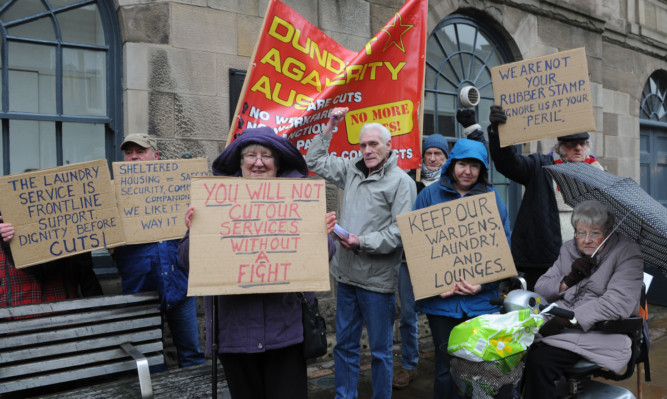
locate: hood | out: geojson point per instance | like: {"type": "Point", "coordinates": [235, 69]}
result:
{"type": "Point", "coordinates": [292, 164]}
{"type": "Point", "coordinates": [466, 148]}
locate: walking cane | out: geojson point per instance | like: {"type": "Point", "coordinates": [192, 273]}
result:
{"type": "Point", "coordinates": [214, 346]}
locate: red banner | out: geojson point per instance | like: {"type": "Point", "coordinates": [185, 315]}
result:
{"type": "Point", "coordinates": [298, 74]}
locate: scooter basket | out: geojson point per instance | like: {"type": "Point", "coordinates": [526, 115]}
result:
{"type": "Point", "coordinates": [497, 379]}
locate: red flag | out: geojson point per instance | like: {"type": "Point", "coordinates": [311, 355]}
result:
{"type": "Point", "coordinates": [298, 74]}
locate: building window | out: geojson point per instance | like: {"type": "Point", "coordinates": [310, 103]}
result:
{"type": "Point", "coordinates": [654, 98]}
{"type": "Point", "coordinates": [653, 137]}
{"type": "Point", "coordinates": [236, 78]}
{"type": "Point", "coordinates": [60, 83]}
{"type": "Point", "coordinates": [460, 52]}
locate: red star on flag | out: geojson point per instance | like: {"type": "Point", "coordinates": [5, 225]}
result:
{"type": "Point", "coordinates": [398, 30]}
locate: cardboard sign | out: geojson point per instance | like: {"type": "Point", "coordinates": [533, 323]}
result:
{"type": "Point", "coordinates": [258, 236]}
{"type": "Point", "coordinates": [298, 74]}
{"type": "Point", "coordinates": [452, 240]}
{"type": "Point", "coordinates": [544, 97]}
{"type": "Point", "coordinates": [153, 196]}
{"type": "Point", "coordinates": [60, 212]}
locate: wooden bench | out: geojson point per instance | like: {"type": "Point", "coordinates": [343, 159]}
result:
{"type": "Point", "coordinates": [56, 342]}
{"type": "Point", "coordinates": [192, 382]}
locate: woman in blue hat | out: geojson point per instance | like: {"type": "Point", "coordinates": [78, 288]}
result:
{"type": "Point", "coordinates": [465, 173]}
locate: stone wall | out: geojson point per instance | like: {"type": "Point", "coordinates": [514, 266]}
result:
{"type": "Point", "coordinates": [177, 54]}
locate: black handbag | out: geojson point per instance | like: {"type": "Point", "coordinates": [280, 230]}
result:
{"type": "Point", "coordinates": [314, 328]}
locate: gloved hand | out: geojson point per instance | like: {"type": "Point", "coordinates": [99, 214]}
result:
{"type": "Point", "coordinates": [581, 268]}
{"type": "Point", "coordinates": [554, 325]}
{"type": "Point", "coordinates": [497, 115]}
{"type": "Point", "coordinates": [466, 117]}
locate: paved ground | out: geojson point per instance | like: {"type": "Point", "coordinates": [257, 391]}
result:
{"type": "Point", "coordinates": [321, 374]}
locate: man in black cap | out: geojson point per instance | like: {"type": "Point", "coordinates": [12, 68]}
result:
{"type": "Point", "coordinates": [543, 222]}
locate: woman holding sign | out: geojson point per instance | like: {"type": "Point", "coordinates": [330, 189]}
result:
{"type": "Point", "coordinates": [259, 336]}
{"type": "Point", "coordinates": [464, 174]}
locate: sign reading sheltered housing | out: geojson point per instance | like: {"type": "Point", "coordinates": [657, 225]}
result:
{"type": "Point", "coordinates": [298, 74]}
{"type": "Point", "coordinates": [60, 212]}
{"type": "Point", "coordinates": [452, 240]}
{"type": "Point", "coordinates": [153, 197]}
{"type": "Point", "coordinates": [258, 236]}
{"type": "Point", "coordinates": [544, 97]}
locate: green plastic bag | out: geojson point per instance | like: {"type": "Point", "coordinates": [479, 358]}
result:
{"type": "Point", "coordinates": [494, 336]}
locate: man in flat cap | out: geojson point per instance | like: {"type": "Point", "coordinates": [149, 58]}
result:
{"type": "Point", "coordinates": [156, 267]}
{"type": "Point", "coordinates": [543, 222]}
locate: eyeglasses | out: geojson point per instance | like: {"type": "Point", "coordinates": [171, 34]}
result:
{"type": "Point", "coordinates": [252, 158]}
{"type": "Point", "coordinates": [572, 144]}
{"type": "Point", "coordinates": [593, 235]}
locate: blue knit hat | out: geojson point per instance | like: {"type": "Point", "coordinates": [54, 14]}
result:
{"type": "Point", "coordinates": [436, 141]}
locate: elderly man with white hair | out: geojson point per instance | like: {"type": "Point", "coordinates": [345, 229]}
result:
{"type": "Point", "coordinates": [367, 260]}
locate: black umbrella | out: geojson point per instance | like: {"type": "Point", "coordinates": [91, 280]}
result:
{"type": "Point", "coordinates": [647, 218]}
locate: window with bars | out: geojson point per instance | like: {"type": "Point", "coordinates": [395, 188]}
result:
{"type": "Point", "coordinates": [60, 83]}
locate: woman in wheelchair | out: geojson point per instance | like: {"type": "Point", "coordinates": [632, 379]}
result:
{"type": "Point", "coordinates": [598, 275]}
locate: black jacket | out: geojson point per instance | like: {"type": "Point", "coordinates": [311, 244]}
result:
{"type": "Point", "coordinates": [536, 238]}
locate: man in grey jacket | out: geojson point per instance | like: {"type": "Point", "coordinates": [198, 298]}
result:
{"type": "Point", "coordinates": [367, 260]}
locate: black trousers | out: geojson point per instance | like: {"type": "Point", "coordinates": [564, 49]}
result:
{"type": "Point", "coordinates": [531, 275]}
{"type": "Point", "coordinates": [544, 366]}
{"type": "Point", "coordinates": [277, 373]}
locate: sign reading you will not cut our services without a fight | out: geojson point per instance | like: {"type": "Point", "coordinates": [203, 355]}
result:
{"type": "Point", "coordinates": [453, 240]}
{"type": "Point", "coordinates": [60, 212]}
{"type": "Point", "coordinates": [153, 197]}
{"type": "Point", "coordinates": [544, 97]}
{"type": "Point", "coordinates": [258, 236]}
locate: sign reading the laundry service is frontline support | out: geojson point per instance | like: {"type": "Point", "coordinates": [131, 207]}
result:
{"type": "Point", "coordinates": [544, 97]}
{"type": "Point", "coordinates": [447, 242]}
{"type": "Point", "coordinates": [153, 196]}
{"type": "Point", "coordinates": [258, 236]}
{"type": "Point", "coordinates": [60, 212]}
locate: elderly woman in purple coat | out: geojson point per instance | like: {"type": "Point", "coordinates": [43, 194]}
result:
{"type": "Point", "coordinates": [259, 335]}
{"type": "Point", "coordinates": [598, 275]}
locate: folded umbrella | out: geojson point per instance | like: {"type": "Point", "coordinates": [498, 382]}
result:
{"type": "Point", "coordinates": [646, 220]}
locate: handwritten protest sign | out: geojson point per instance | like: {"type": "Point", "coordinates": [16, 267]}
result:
{"type": "Point", "coordinates": [452, 240]}
{"type": "Point", "coordinates": [258, 236]}
{"type": "Point", "coordinates": [298, 74]}
{"type": "Point", "coordinates": [60, 212]}
{"type": "Point", "coordinates": [152, 197]}
{"type": "Point", "coordinates": [544, 97]}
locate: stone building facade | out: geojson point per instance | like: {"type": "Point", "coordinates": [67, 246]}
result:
{"type": "Point", "coordinates": [177, 56]}
{"type": "Point", "coordinates": [173, 68]}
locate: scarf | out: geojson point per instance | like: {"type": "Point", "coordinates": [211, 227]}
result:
{"type": "Point", "coordinates": [591, 159]}
{"type": "Point", "coordinates": [429, 174]}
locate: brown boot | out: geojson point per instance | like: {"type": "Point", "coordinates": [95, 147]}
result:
{"type": "Point", "coordinates": [403, 378]}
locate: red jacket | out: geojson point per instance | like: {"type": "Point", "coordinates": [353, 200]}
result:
{"type": "Point", "coordinates": [53, 281]}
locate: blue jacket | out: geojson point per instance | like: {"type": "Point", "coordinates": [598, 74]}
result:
{"type": "Point", "coordinates": [459, 306]}
{"type": "Point", "coordinates": [153, 267]}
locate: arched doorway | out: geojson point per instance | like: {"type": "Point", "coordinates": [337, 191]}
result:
{"type": "Point", "coordinates": [461, 52]}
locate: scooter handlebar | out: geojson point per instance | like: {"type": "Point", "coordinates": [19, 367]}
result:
{"type": "Point", "coordinates": [556, 311]}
